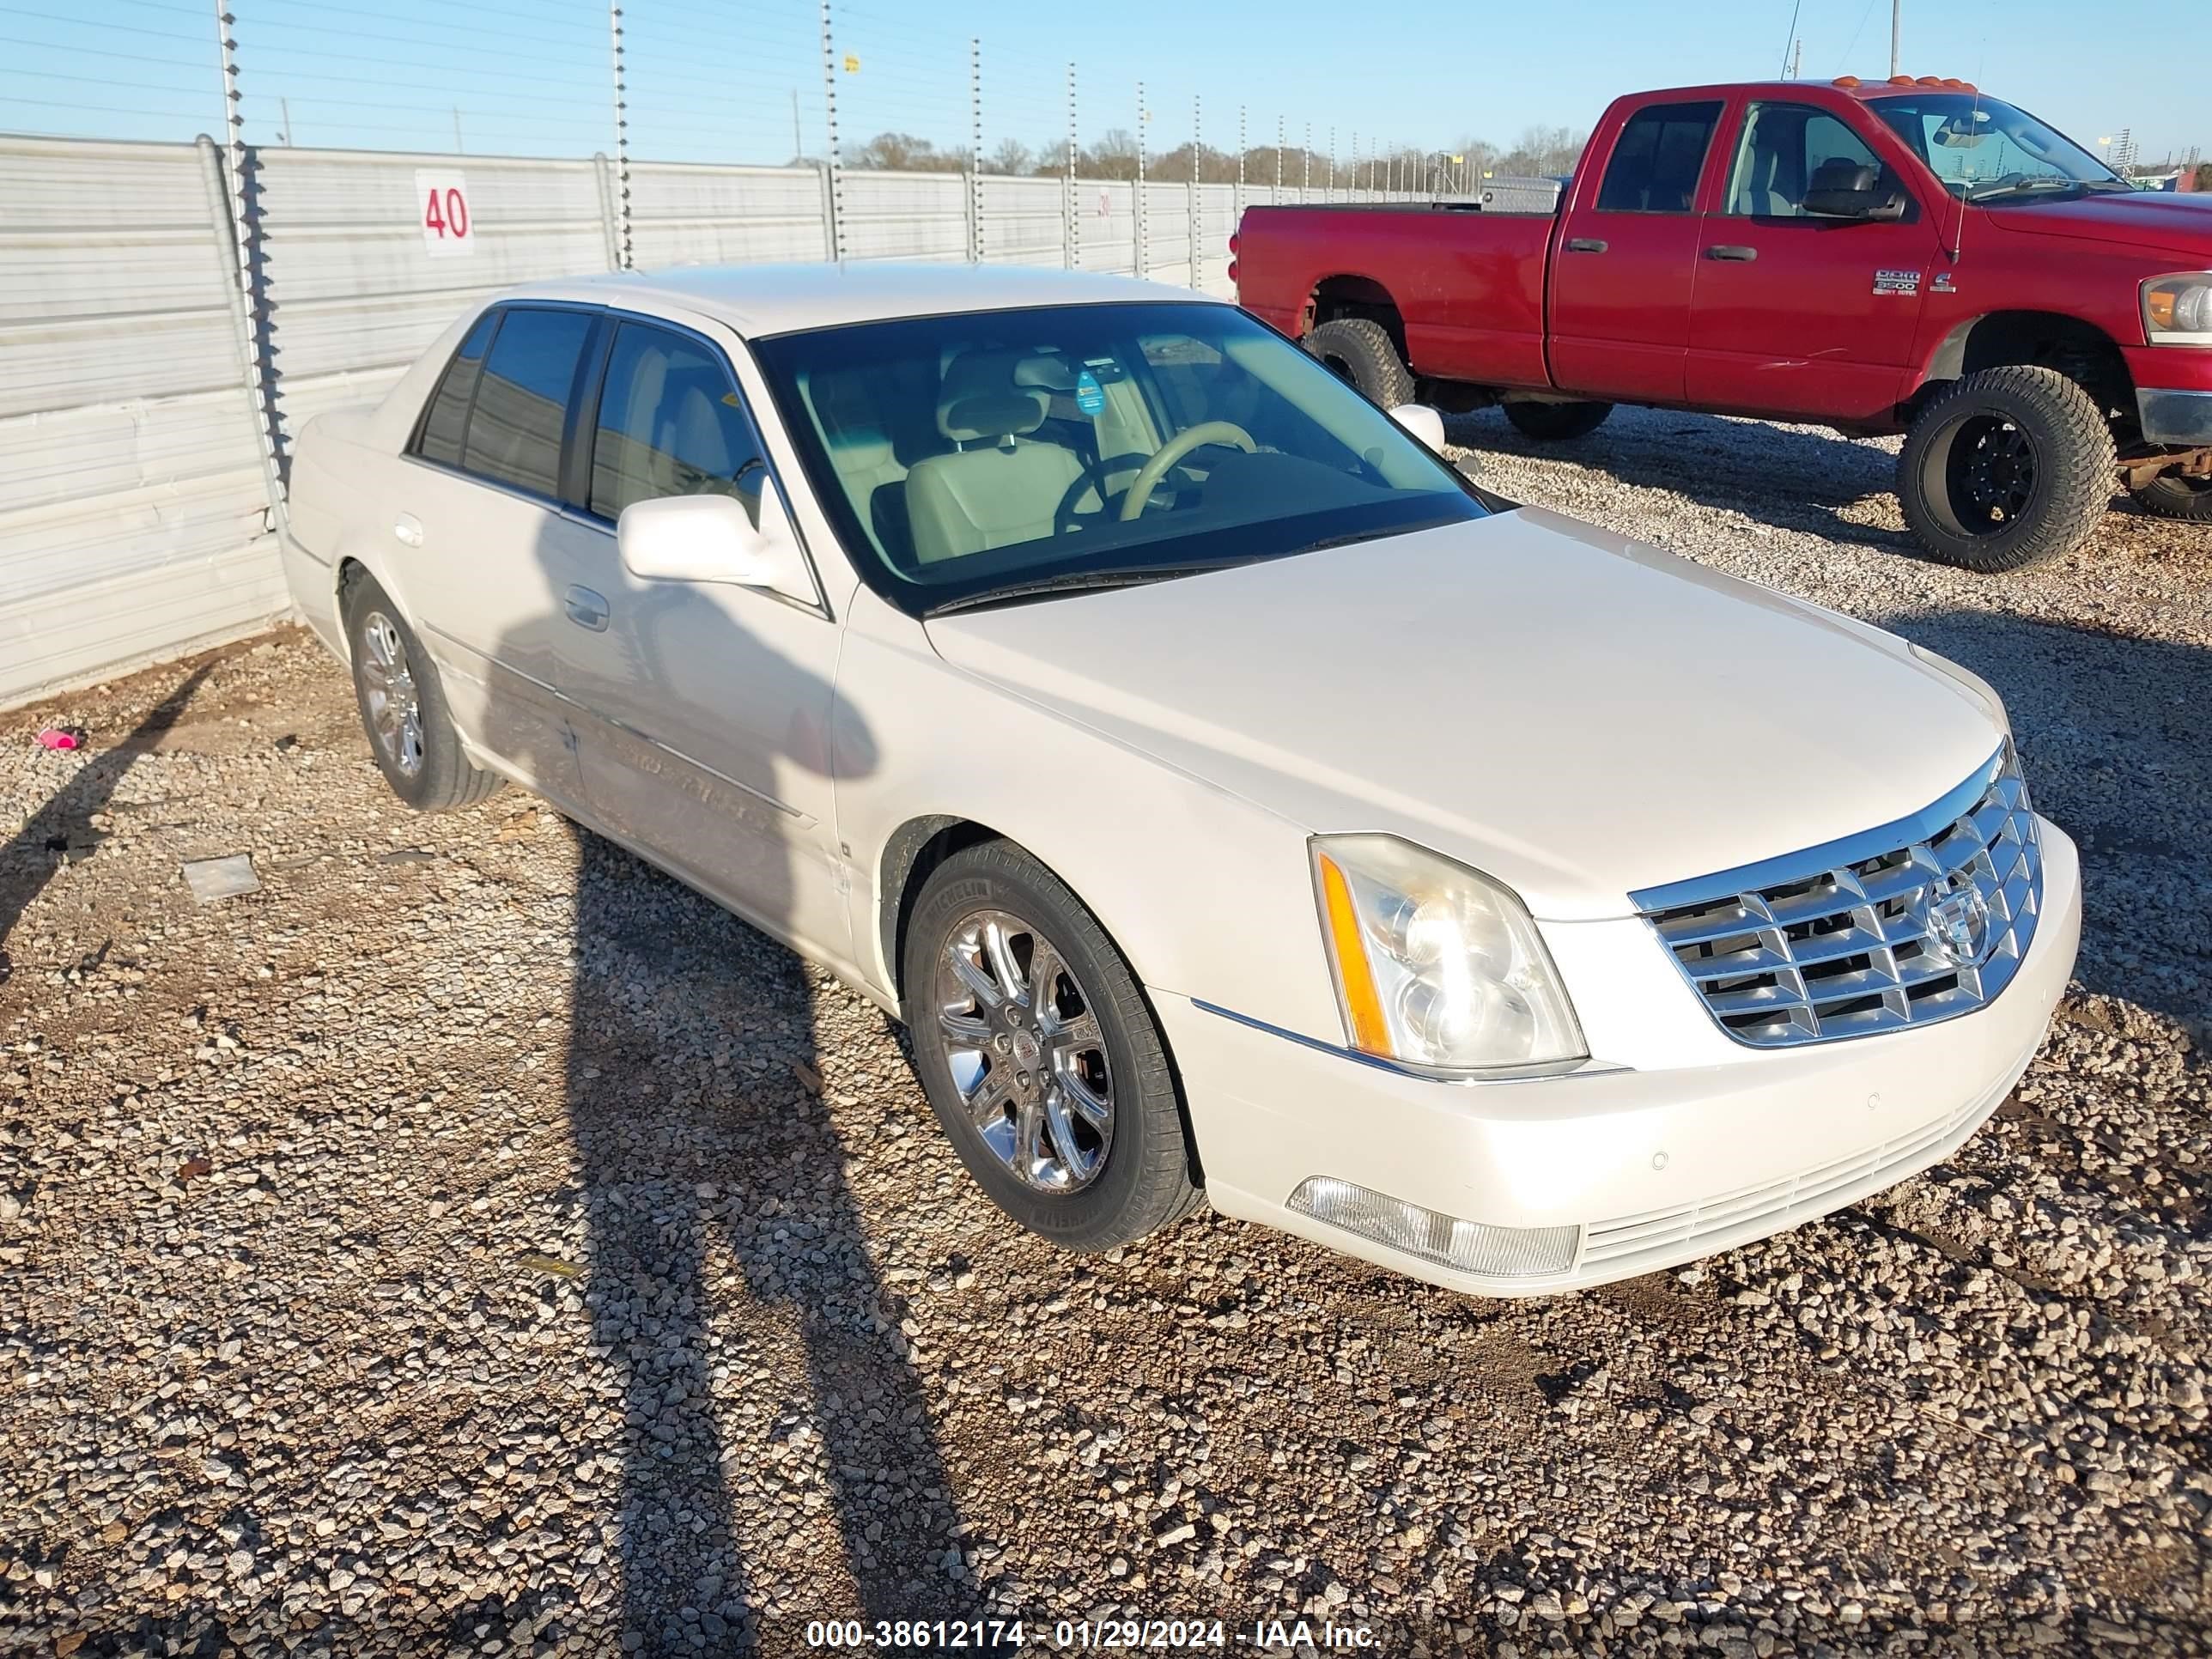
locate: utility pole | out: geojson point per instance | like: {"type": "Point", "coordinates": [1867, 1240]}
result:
{"type": "Point", "coordinates": [798, 143]}
{"type": "Point", "coordinates": [1276, 200]}
{"type": "Point", "coordinates": [1306, 184]}
{"type": "Point", "coordinates": [458, 148]}
{"type": "Point", "coordinates": [284, 105]}
{"type": "Point", "coordinates": [1241, 148]}
{"type": "Point", "coordinates": [1896, 35]}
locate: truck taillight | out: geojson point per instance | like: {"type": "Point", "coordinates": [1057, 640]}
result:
{"type": "Point", "coordinates": [1232, 271]}
{"type": "Point", "coordinates": [1232, 244]}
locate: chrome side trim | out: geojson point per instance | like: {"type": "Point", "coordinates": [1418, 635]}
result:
{"type": "Point", "coordinates": [1566, 1072]}
{"type": "Point", "coordinates": [1844, 849]}
{"type": "Point", "coordinates": [2174, 417]}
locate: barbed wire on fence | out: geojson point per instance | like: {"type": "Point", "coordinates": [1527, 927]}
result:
{"type": "Point", "coordinates": [701, 83]}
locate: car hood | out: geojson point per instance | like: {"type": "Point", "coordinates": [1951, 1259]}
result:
{"type": "Point", "coordinates": [1576, 715]}
{"type": "Point", "coordinates": [2154, 219]}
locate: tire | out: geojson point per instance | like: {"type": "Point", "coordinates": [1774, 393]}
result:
{"type": "Point", "coordinates": [2008, 468]}
{"type": "Point", "coordinates": [1142, 1177]}
{"type": "Point", "coordinates": [422, 760]}
{"type": "Point", "coordinates": [1556, 422]}
{"type": "Point", "coordinates": [2172, 496]}
{"type": "Point", "coordinates": [1361, 352]}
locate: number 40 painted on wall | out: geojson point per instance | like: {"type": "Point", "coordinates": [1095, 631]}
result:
{"type": "Point", "coordinates": [441, 209]}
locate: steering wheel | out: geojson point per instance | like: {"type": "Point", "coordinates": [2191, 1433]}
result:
{"type": "Point", "coordinates": [1195, 437]}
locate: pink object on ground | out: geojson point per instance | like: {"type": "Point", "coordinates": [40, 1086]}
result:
{"type": "Point", "coordinates": [54, 737]}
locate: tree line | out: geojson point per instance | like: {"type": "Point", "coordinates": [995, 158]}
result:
{"type": "Point", "coordinates": [1541, 152]}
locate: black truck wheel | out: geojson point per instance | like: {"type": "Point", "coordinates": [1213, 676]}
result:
{"type": "Point", "coordinates": [1556, 422]}
{"type": "Point", "coordinates": [2172, 496]}
{"type": "Point", "coordinates": [1361, 351]}
{"type": "Point", "coordinates": [2009, 467]}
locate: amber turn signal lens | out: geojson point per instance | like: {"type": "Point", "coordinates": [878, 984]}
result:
{"type": "Point", "coordinates": [2158, 305]}
{"type": "Point", "coordinates": [1363, 1008]}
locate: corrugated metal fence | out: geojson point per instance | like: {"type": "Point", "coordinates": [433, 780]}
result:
{"type": "Point", "coordinates": [134, 519]}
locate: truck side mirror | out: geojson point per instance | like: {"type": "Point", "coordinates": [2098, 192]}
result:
{"type": "Point", "coordinates": [1845, 190]}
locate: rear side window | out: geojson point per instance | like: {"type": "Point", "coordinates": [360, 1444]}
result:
{"type": "Point", "coordinates": [671, 423]}
{"type": "Point", "coordinates": [1657, 159]}
{"type": "Point", "coordinates": [447, 417]}
{"type": "Point", "coordinates": [522, 399]}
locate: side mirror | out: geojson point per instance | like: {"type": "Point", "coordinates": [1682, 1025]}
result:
{"type": "Point", "coordinates": [709, 538]}
{"type": "Point", "coordinates": [1843, 189]}
{"type": "Point", "coordinates": [1422, 423]}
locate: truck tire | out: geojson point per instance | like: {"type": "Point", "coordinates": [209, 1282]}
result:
{"type": "Point", "coordinates": [2009, 467]}
{"type": "Point", "coordinates": [1361, 352]}
{"type": "Point", "coordinates": [2172, 496]}
{"type": "Point", "coordinates": [1556, 422]}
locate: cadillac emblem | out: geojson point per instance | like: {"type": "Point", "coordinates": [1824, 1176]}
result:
{"type": "Point", "coordinates": [1953, 920]}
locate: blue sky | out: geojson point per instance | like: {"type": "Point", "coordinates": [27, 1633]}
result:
{"type": "Point", "coordinates": [713, 80]}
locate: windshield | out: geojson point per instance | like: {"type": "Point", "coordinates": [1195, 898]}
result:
{"type": "Point", "coordinates": [1050, 449]}
{"type": "Point", "coordinates": [1985, 150]}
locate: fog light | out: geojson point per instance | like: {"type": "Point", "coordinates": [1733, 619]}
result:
{"type": "Point", "coordinates": [1466, 1247]}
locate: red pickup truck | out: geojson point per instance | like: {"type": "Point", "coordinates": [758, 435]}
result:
{"type": "Point", "coordinates": [1904, 256]}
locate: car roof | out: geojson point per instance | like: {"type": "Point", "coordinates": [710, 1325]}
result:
{"type": "Point", "coordinates": [764, 299]}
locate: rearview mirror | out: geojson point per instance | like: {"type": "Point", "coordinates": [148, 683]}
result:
{"type": "Point", "coordinates": [1841, 190]}
{"type": "Point", "coordinates": [711, 538]}
{"type": "Point", "coordinates": [1422, 423]}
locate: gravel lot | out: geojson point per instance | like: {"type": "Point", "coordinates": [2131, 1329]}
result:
{"type": "Point", "coordinates": [473, 1241]}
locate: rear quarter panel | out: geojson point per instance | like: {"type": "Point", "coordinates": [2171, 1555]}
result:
{"type": "Point", "coordinates": [1469, 286]}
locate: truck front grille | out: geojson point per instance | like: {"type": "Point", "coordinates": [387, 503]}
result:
{"type": "Point", "coordinates": [1906, 925]}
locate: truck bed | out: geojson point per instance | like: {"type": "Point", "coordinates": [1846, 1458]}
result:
{"type": "Point", "coordinates": [1468, 284]}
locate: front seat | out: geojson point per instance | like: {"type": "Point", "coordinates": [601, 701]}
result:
{"type": "Point", "coordinates": [994, 489]}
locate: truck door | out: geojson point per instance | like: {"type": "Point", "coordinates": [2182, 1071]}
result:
{"type": "Point", "coordinates": [1623, 272]}
{"type": "Point", "coordinates": [1795, 314]}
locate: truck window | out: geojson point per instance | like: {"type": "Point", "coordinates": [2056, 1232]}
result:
{"type": "Point", "coordinates": [1782, 147]}
{"type": "Point", "coordinates": [1656, 160]}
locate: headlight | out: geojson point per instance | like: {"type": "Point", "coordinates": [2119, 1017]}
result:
{"type": "Point", "coordinates": [2176, 310]}
{"type": "Point", "coordinates": [1437, 967]}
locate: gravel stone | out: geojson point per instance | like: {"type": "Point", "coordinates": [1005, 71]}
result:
{"type": "Point", "coordinates": [475, 1243]}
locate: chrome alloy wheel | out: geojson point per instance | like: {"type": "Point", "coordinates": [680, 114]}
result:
{"type": "Point", "coordinates": [387, 681]}
{"type": "Point", "coordinates": [1026, 1052]}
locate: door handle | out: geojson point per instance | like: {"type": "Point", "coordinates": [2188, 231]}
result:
{"type": "Point", "coordinates": [1727, 251]}
{"type": "Point", "coordinates": [1585, 245]}
{"type": "Point", "coordinates": [587, 609]}
{"type": "Point", "coordinates": [409, 529]}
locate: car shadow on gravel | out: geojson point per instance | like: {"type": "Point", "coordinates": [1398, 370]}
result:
{"type": "Point", "coordinates": [2111, 732]}
{"type": "Point", "coordinates": [60, 829]}
{"type": "Point", "coordinates": [713, 1176]}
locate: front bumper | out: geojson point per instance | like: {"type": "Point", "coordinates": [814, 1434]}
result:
{"type": "Point", "coordinates": [1706, 1149]}
{"type": "Point", "coordinates": [2171, 416]}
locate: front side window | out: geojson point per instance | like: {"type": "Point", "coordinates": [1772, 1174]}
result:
{"type": "Point", "coordinates": [446, 417]}
{"type": "Point", "coordinates": [1782, 154]}
{"type": "Point", "coordinates": [522, 398]}
{"type": "Point", "coordinates": [962, 455]}
{"type": "Point", "coordinates": [1657, 159]}
{"type": "Point", "coordinates": [671, 422]}
{"type": "Point", "coordinates": [1987, 151]}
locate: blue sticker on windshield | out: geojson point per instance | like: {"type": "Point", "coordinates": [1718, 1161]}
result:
{"type": "Point", "coordinates": [1089, 397]}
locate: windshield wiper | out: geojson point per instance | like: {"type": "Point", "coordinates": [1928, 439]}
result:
{"type": "Point", "coordinates": [2029, 186]}
{"type": "Point", "coordinates": [1079, 581]}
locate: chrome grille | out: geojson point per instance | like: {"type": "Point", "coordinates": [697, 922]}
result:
{"type": "Point", "coordinates": [1906, 925]}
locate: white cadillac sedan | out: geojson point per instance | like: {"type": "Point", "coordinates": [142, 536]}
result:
{"type": "Point", "coordinates": [1230, 799]}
